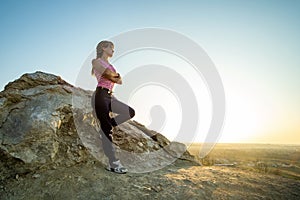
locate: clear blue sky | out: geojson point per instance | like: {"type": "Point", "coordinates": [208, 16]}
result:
{"type": "Point", "coordinates": [255, 44]}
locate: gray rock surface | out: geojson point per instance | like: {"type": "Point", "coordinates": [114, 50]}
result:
{"type": "Point", "coordinates": [46, 123]}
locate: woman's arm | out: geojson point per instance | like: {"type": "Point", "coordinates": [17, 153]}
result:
{"type": "Point", "coordinates": [107, 73]}
{"type": "Point", "coordinates": [117, 79]}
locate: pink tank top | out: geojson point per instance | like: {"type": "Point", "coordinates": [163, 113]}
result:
{"type": "Point", "coordinates": [104, 82]}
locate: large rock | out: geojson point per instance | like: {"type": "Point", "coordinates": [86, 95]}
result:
{"type": "Point", "coordinates": [46, 123]}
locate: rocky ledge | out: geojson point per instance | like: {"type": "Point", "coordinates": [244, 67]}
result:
{"type": "Point", "coordinates": [46, 123]}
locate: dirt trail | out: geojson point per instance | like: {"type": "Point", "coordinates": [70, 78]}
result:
{"type": "Point", "coordinates": [181, 180]}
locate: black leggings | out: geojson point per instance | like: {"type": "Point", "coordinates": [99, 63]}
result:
{"type": "Point", "coordinates": [105, 103]}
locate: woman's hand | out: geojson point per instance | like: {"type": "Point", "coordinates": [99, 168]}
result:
{"type": "Point", "coordinates": [117, 79]}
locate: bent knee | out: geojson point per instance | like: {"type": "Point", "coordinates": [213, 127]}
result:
{"type": "Point", "coordinates": [131, 112]}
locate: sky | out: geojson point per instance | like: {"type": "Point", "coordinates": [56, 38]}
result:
{"type": "Point", "coordinates": [254, 45]}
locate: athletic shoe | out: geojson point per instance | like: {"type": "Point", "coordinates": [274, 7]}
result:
{"type": "Point", "coordinates": [120, 169]}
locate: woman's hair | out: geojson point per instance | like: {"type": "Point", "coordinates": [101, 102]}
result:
{"type": "Point", "coordinates": [99, 50]}
{"type": "Point", "coordinates": [102, 44]}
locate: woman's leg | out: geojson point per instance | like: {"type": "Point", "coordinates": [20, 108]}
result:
{"type": "Point", "coordinates": [124, 111]}
{"type": "Point", "coordinates": [102, 112]}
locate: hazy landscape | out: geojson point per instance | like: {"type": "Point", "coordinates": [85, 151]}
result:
{"type": "Point", "coordinates": [278, 159]}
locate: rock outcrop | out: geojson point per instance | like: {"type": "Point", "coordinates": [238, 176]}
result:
{"type": "Point", "coordinates": [50, 148]}
{"type": "Point", "coordinates": [46, 123]}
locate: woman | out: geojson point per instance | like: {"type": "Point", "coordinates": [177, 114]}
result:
{"type": "Point", "coordinates": [105, 102]}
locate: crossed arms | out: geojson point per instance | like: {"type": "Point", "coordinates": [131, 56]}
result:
{"type": "Point", "coordinates": [107, 73]}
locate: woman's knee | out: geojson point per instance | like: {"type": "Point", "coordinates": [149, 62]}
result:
{"type": "Point", "coordinates": [131, 112]}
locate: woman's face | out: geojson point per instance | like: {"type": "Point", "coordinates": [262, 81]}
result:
{"type": "Point", "coordinates": [109, 50]}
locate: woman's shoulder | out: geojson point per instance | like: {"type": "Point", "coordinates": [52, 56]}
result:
{"type": "Point", "coordinates": [98, 61]}
{"type": "Point", "coordinates": [94, 60]}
